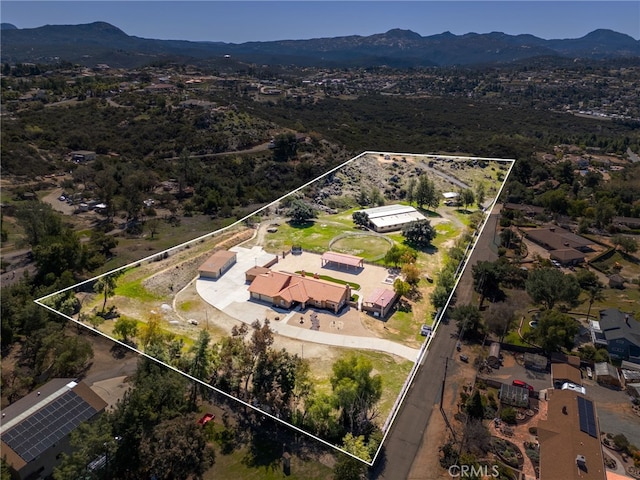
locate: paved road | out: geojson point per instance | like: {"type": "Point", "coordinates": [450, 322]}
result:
{"type": "Point", "coordinates": [405, 440]}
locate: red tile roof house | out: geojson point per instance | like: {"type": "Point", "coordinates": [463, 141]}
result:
{"type": "Point", "coordinates": [380, 301]}
{"type": "Point", "coordinates": [287, 290]}
{"type": "Point", "coordinates": [218, 263]}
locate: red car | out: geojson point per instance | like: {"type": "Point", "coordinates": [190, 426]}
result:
{"type": "Point", "coordinates": [521, 384]}
{"type": "Point", "coordinates": [206, 419]}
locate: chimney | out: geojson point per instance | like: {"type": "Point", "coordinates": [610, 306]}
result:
{"type": "Point", "coordinates": [581, 462]}
{"type": "Point", "coordinates": [626, 320]}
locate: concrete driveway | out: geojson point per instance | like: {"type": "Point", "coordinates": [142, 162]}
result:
{"type": "Point", "coordinates": [230, 294]}
{"type": "Point", "coordinates": [231, 286]}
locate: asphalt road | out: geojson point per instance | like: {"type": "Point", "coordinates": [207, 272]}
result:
{"type": "Point", "coordinates": [404, 442]}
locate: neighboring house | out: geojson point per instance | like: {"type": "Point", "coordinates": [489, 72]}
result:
{"type": "Point", "coordinates": [567, 256]}
{"type": "Point", "coordinates": [527, 210]}
{"type": "Point", "coordinates": [626, 221]}
{"type": "Point", "coordinates": [379, 301]}
{"type": "Point", "coordinates": [563, 246]}
{"type": "Point", "coordinates": [619, 332]}
{"type": "Point", "coordinates": [391, 217]}
{"type": "Point", "coordinates": [562, 373]}
{"type": "Point", "coordinates": [35, 430]}
{"type": "Point", "coordinates": [160, 88]}
{"type": "Point", "coordinates": [569, 438]}
{"type": "Point", "coordinates": [287, 290]}
{"type": "Point", "coordinates": [217, 264]}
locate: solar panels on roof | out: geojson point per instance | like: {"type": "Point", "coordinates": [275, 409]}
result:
{"type": "Point", "coordinates": [587, 417]}
{"type": "Point", "coordinates": [50, 424]}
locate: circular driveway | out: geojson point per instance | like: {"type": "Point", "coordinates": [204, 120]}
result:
{"type": "Point", "coordinates": [230, 294]}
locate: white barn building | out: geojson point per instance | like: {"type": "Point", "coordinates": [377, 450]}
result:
{"type": "Point", "coordinates": [392, 217]}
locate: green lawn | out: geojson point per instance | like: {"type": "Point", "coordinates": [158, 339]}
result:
{"type": "Point", "coordinates": [135, 290]}
{"type": "Point", "coordinates": [370, 247]}
{"type": "Point", "coordinates": [354, 286]}
{"type": "Point", "coordinates": [311, 236]}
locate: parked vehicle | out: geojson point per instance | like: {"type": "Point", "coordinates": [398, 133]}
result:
{"type": "Point", "coordinates": [426, 330]}
{"type": "Point", "coordinates": [464, 358]}
{"type": "Point", "coordinates": [521, 384]}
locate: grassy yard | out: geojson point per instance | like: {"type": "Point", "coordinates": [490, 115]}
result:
{"type": "Point", "coordinates": [371, 248]}
{"type": "Point", "coordinates": [630, 265]}
{"type": "Point", "coordinates": [135, 290]}
{"type": "Point", "coordinates": [393, 372]}
{"type": "Point", "coordinates": [312, 236]}
{"type": "Point", "coordinates": [262, 461]}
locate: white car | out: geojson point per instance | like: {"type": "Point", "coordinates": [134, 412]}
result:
{"type": "Point", "coordinates": [426, 330]}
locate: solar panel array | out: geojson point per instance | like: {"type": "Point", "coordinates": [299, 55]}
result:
{"type": "Point", "coordinates": [47, 426]}
{"type": "Point", "coordinates": [587, 416]}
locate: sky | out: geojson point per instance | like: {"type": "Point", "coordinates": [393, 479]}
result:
{"type": "Point", "coordinates": [244, 21]}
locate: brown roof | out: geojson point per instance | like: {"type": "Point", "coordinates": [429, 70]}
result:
{"type": "Point", "coordinates": [558, 238]}
{"type": "Point", "coordinates": [564, 371]}
{"type": "Point", "coordinates": [296, 287]}
{"type": "Point", "coordinates": [529, 209]}
{"type": "Point", "coordinates": [562, 440]}
{"type": "Point", "coordinates": [566, 254]}
{"type": "Point", "coordinates": [216, 261]}
{"type": "Point", "coordinates": [254, 271]}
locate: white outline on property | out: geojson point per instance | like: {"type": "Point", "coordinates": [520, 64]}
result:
{"type": "Point", "coordinates": [225, 295]}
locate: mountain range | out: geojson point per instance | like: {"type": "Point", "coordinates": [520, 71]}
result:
{"type": "Point", "coordinates": [100, 42]}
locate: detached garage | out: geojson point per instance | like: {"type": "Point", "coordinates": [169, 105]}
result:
{"type": "Point", "coordinates": [218, 263]}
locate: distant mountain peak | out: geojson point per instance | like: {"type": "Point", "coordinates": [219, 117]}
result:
{"type": "Point", "coordinates": [8, 26]}
{"type": "Point", "coordinates": [405, 34]}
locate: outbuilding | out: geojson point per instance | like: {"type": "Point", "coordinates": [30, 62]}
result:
{"type": "Point", "coordinates": [217, 264]}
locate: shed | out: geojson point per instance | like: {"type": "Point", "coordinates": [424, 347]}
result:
{"type": "Point", "coordinates": [534, 361]}
{"type": "Point", "coordinates": [494, 355]}
{"type": "Point", "coordinates": [217, 264]}
{"type": "Point", "coordinates": [633, 389]}
{"type": "Point", "coordinates": [616, 281]}
{"type": "Point", "coordinates": [607, 374]}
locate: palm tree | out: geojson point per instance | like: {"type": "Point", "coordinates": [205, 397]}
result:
{"type": "Point", "coordinates": [596, 294]}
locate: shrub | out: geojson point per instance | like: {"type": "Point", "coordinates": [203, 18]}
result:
{"type": "Point", "coordinates": [508, 415]}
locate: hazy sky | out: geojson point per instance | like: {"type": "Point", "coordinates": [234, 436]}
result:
{"type": "Point", "coordinates": [239, 21]}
